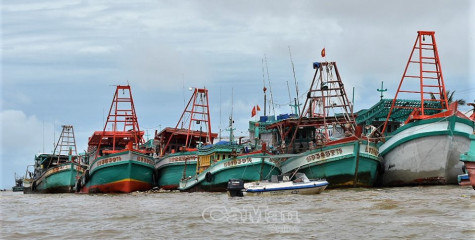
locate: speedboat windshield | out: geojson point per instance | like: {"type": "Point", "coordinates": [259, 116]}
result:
{"type": "Point", "coordinates": [301, 177]}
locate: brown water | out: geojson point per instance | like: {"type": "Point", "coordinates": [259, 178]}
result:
{"type": "Point", "coordinates": [437, 212]}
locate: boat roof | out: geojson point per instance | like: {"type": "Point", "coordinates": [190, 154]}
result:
{"type": "Point", "coordinates": [309, 122]}
{"type": "Point", "coordinates": [121, 137]}
{"type": "Point", "coordinates": [181, 133]}
{"type": "Point", "coordinates": [379, 111]}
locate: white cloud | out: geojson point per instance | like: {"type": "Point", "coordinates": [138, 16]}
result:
{"type": "Point", "coordinates": [22, 138]}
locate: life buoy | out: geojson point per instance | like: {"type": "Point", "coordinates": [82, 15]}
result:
{"type": "Point", "coordinates": [209, 177]}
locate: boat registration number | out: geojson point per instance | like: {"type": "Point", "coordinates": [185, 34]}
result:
{"type": "Point", "coordinates": [324, 154]}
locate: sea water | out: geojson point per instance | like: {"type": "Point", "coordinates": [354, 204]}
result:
{"type": "Point", "coordinates": [433, 212]}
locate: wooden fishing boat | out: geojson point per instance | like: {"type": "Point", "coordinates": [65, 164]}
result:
{"type": "Point", "coordinates": [177, 147]}
{"type": "Point", "coordinates": [426, 149]}
{"type": "Point", "coordinates": [56, 172]}
{"type": "Point", "coordinates": [468, 159]}
{"type": "Point", "coordinates": [328, 146]}
{"type": "Point", "coordinates": [117, 163]}
{"type": "Point", "coordinates": [18, 184]}
{"type": "Point", "coordinates": [217, 163]}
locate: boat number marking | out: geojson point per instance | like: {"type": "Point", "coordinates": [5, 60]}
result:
{"type": "Point", "coordinates": [108, 160]}
{"type": "Point", "coordinates": [57, 169]}
{"type": "Point", "coordinates": [144, 160]}
{"type": "Point", "coordinates": [237, 162]}
{"type": "Point", "coordinates": [323, 154]}
{"type": "Point", "coordinates": [182, 158]}
{"type": "Point", "coordinates": [372, 150]}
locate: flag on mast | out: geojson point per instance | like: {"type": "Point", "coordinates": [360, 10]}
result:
{"type": "Point", "coordinates": [323, 52]}
{"type": "Point", "coordinates": [253, 113]}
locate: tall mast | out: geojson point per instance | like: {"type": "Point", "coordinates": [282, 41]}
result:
{"type": "Point", "coordinates": [66, 143]}
{"type": "Point", "coordinates": [123, 124]}
{"type": "Point", "coordinates": [197, 111]}
{"type": "Point", "coordinates": [326, 93]}
{"type": "Point", "coordinates": [423, 67]}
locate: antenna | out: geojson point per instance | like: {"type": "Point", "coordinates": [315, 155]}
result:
{"type": "Point", "coordinates": [183, 78]}
{"type": "Point", "coordinates": [382, 90]}
{"type": "Point", "coordinates": [43, 136]}
{"type": "Point", "coordinates": [264, 87]}
{"type": "Point", "coordinates": [220, 121]}
{"type": "Point", "coordinates": [290, 98]}
{"type": "Point", "coordinates": [232, 101]}
{"type": "Point", "coordinates": [270, 86]}
{"type": "Point", "coordinates": [295, 80]}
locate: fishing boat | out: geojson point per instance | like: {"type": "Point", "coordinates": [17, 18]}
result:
{"type": "Point", "coordinates": [117, 163]}
{"type": "Point", "coordinates": [278, 185]}
{"type": "Point", "coordinates": [56, 172]}
{"type": "Point", "coordinates": [18, 184]}
{"type": "Point", "coordinates": [327, 146]}
{"type": "Point", "coordinates": [217, 163]}
{"type": "Point", "coordinates": [177, 147]}
{"type": "Point", "coordinates": [468, 159]}
{"type": "Point", "coordinates": [426, 149]}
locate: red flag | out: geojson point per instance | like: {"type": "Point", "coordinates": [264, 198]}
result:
{"type": "Point", "coordinates": [258, 108]}
{"type": "Point", "coordinates": [253, 113]}
{"type": "Point", "coordinates": [323, 52]}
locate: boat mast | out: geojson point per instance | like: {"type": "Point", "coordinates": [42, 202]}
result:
{"type": "Point", "coordinates": [66, 144]}
{"type": "Point", "coordinates": [122, 120]}
{"type": "Point", "coordinates": [423, 65]}
{"type": "Point", "coordinates": [197, 111]}
{"type": "Point", "coordinates": [326, 93]}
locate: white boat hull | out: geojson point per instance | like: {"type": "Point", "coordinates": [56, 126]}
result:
{"type": "Point", "coordinates": [305, 191]}
{"type": "Point", "coordinates": [426, 154]}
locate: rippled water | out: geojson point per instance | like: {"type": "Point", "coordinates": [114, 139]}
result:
{"type": "Point", "coordinates": [437, 212]}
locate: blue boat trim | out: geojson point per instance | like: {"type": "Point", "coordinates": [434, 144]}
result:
{"type": "Point", "coordinates": [463, 177]}
{"type": "Point", "coordinates": [287, 188]}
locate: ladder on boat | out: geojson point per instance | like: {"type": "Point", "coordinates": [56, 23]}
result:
{"type": "Point", "coordinates": [423, 66]}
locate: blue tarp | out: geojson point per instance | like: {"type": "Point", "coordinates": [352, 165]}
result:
{"type": "Point", "coordinates": [316, 65]}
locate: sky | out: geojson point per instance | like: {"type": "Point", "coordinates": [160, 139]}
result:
{"type": "Point", "coordinates": [61, 60]}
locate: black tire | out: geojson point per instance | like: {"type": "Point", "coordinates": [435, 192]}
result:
{"type": "Point", "coordinates": [209, 177]}
{"type": "Point", "coordinates": [155, 178]}
{"type": "Point", "coordinates": [86, 176]}
{"type": "Point", "coordinates": [78, 185]}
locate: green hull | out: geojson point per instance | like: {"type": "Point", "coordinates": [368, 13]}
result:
{"type": "Point", "coordinates": [350, 164]}
{"type": "Point", "coordinates": [216, 177]}
{"type": "Point", "coordinates": [169, 176]}
{"type": "Point", "coordinates": [59, 179]}
{"type": "Point", "coordinates": [341, 173]}
{"type": "Point", "coordinates": [124, 175]}
{"type": "Point", "coordinates": [17, 189]}
{"type": "Point", "coordinates": [219, 180]}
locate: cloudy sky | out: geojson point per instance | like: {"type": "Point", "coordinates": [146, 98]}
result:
{"type": "Point", "coordinates": [61, 59]}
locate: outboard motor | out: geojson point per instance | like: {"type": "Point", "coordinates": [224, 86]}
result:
{"type": "Point", "coordinates": [235, 187]}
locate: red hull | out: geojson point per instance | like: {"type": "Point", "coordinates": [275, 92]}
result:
{"type": "Point", "coordinates": [470, 166]}
{"type": "Point", "coordinates": [124, 186]}
{"type": "Point", "coordinates": [170, 187]}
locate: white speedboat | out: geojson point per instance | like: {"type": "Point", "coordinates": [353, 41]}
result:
{"type": "Point", "coordinates": [278, 185]}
